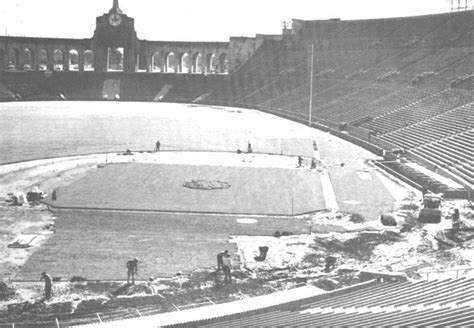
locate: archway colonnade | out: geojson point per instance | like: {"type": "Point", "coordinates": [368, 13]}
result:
{"type": "Point", "coordinates": [188, 62]}
{"type": "Point", "coordinates": [44, 57]}
{"type": "Point", "coordinates": [19, 55]}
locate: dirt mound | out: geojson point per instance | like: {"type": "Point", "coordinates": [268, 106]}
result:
{"type": "Point", "coordinates": [359, 246]}
{"type": "Point", "coordinates": [206, 184]}
{"type": "Point", "coordinates": [5, 291]}
{"type": "Point", "coordinates": [133, 290]}
{"type": "Point", "coordinates": [33, 311]}
{"type": "Point", "coordinates": [91, 306]}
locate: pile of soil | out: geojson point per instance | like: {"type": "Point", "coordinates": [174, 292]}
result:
{"type": "Point", "coordinates": [206, 184]}
{"type": "Point", "coordinates": [360, 246]}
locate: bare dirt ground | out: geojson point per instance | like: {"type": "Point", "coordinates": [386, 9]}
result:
{"type": "Point", "coordinates": [15, 221]}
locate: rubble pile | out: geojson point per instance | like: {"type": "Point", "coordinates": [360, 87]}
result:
{"type": "Point", "coordinates": [403, 247]}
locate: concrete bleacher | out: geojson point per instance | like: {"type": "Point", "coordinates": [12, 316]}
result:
{"type": "Point", "coordinates": [449, 123]}
{"type": "Point", "coordinates": [454, 153]}
{"type": "Point", "coordinates": [421, 110]}
{"type": "Point", "coordinates": [75, 85]}
{"type": "Point", "coordinates": [423, 303]}
{"type": "Point", "coordinates": [86, 318]}
{"type": "Point", "coordinates": [24, 85]}
{"type": "Point", "coordinates": [5, 93]}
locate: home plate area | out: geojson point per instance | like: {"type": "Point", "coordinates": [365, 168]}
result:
{"type": "Point", "coordinates": [197, 189]}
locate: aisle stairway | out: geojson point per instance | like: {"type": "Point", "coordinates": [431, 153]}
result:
{"type": "Point", "coordinates": [111, 89]}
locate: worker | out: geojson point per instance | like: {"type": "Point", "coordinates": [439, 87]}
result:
{"type": "Point", "coordinates": [300, 161]}
{"type": "Point", "coordinates": [249, 148]}
{"type": "Point", "coordinates": [47, 285]}
{"type": "Point", "coordinates": [226, 265]}
{"type": "Point", "coordinates": [424, 190]}
{"type": "Point", "coordinates": [220, 257]}
{"type": "Point", "coordinates": [456, 224]}
{"type": "Point", "coordinates": [330, 263]}
{"type": "Point", "coordinates": [132, 270]}
{"type": "Point", "coordinates": [157, 146]}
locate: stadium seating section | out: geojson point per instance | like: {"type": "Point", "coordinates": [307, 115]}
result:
{"type": "Point", "coordinates": [407, 82]}
{"type": "Point", "coordinates": [424, 303]}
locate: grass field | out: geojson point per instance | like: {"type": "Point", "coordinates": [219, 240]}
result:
{"type": "Point", "coordinates": [96, 244]}
{"type": "Point", "coordinates": [33, 130]}
{"type": "Point", "coordinates": [157, 187]}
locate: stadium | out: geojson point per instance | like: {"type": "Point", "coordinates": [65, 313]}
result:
{"type": "Point", "coordinates": [334, 161]}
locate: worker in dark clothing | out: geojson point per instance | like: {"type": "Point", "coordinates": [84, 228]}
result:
{"type": "Point", "coordinates": [300, 161]}
{"type": "Point", "coordinates": [47, 285]}
{"type": "Point", "coordinates": [226, 265]}
{"type": "Point", "coordinates": [249, 148]}
{"type": "Point", "coordinates": [132, 270]}
{"type": "Point", "coordinates": [330, 263]}
{"type": "Point", "coordinates": [220, 256]}
{"type": "Point", "coordinates": [456, 224]}
{"type": "Point", "coordinates": [54, 196]}
{"type": "Point", "coordinates": [424, 190]}
{"type": "Point", "coordinates": [157, 146]}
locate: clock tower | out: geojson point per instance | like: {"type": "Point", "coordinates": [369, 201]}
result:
{"type": "Point", "coordinates": [115, 33]}
{"type": "Point", "coordinates": [116, 8]}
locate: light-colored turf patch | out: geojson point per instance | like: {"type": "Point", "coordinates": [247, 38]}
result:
{"type": "Point", "coordinates": [160, 188]}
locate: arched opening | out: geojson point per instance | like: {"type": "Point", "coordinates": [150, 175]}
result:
{"type": "Point", "coordinates": [43, 60]}
{"type": "Point", "coordinates": [210, 63]}
{"type": "Point", "coordinates": [27, 59]}
{"type": "Point", "coordinates": [58, 59]}
{"type": "Point", "coordinates": [196, 64]}
{"type": "Point", "coordinates": [156, 62]}
{"type": "Point", "coordinates": [223, 64]}
{"type": "Point", "coordinates": [171, 63]}
{"type": "Point", "coordinates": [13, 59]}
{"type": "Point", "coordinates": [184, 63]}
{"type": "Point", "coordinates": [141, 63]}
{"type": "Point", "coordinates": [115, 59]}
{"type": "Point", "coordinates": [88, 60]}
{"type": "Point", "coordinates": [73, 60]}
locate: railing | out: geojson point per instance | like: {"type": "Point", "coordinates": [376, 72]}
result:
{"type": "Point", "coordinates": [456, 270]}
{"type": "Point", "coordinates": [85, 318]}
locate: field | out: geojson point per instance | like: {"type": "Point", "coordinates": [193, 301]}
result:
{"type": "Point", "coordinates": [96, 244]}
{"type": "Point", "coordinates": [52, 129]}
{"type": "Point", "coordinates": [156, 187]}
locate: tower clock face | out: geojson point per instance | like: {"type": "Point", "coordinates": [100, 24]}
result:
{"type": "Point", "coordinates": [115, 19]}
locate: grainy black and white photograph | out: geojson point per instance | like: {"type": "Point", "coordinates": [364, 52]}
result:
{"type": "Point", "coordinates": [236, 163]}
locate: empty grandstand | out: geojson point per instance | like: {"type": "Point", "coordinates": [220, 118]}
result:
{"type": "Point", "coordinates": [402, 88]}
{"type": "Point", "coordinates": [427, 303]}
{"type": "Point", "coordinates": [396, 82]}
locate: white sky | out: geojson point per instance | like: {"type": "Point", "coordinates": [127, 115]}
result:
{"type": "Point", "coordinates": [196, 20]}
